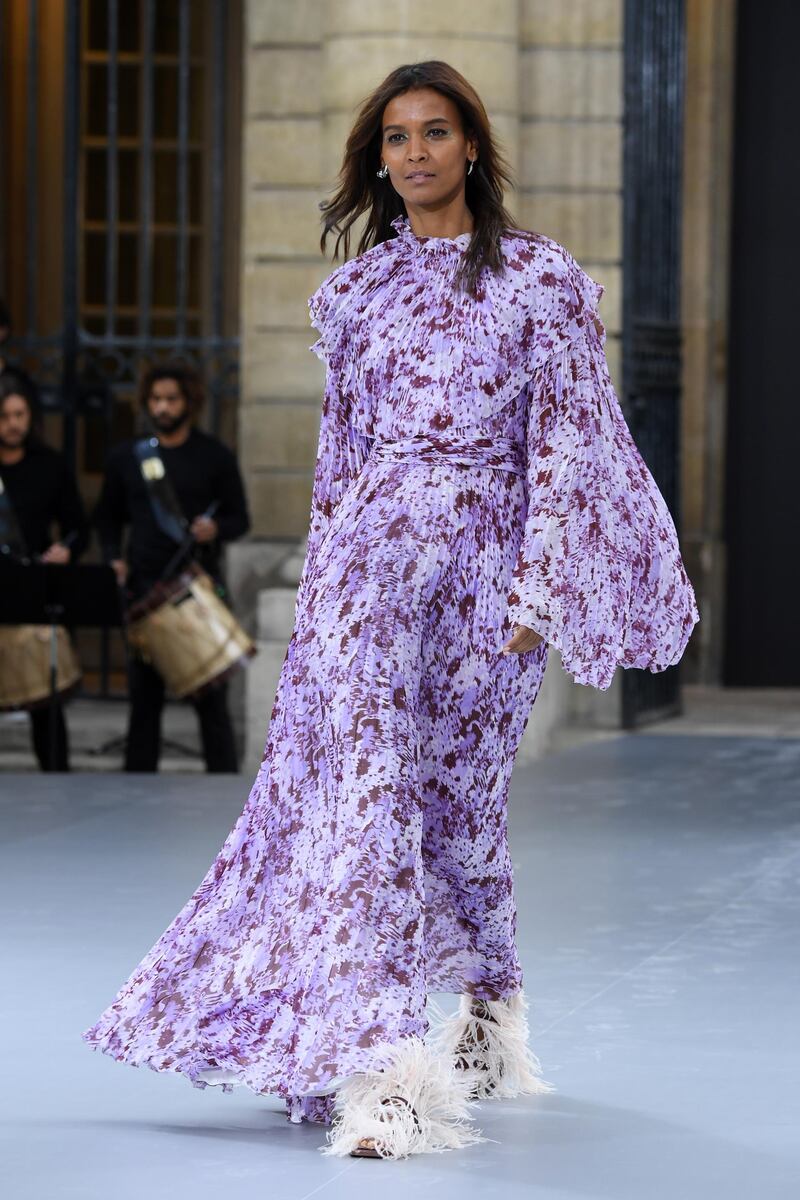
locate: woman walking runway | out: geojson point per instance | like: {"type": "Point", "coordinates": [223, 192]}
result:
{"type": "Point", "coordinates": [477, 497]}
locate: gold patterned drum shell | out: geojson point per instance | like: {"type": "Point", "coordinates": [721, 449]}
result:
{"type": "Point", "coordinates": [186, 632]}
{"type": "Point", "coordinates": [25, 665]}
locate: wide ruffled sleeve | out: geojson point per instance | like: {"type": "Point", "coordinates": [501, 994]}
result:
{"type": "Point", "coordinates": [342, 448]}
{"type": "Point", "coordinates": [599, 571]}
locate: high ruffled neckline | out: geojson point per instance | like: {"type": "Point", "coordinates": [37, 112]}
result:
{"type": "Point", "coordinates": [426, 242]}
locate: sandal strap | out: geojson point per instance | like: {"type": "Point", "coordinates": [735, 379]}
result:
{"type": "Point", "coordinates": [407, 1103]}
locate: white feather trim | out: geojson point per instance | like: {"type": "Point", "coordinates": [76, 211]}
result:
{"type": "Point", "coordinates": [491, 1047]}
{"type": "Point", "coordinates": [435, 1118]}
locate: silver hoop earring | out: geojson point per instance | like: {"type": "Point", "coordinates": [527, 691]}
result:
{"type": "Point", "coordinates": [471, 165]}
{"type": "Point", "coordinates": [384, 171]}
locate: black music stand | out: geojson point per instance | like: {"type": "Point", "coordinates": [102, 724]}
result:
{"type": "Point", "coordinates": [53, 594]}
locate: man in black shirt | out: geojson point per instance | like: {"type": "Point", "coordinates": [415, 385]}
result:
{"type": "Point", "coordinates": [205, 477]}
{"type": "Point", "coordinates": [41, 491]}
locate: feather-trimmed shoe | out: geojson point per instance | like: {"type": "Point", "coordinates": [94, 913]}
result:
{"type": "Point", "coordinates": [367, 1147]}
{"type": "Point", "coordinates": [413, 1102]}
{"type": "Point", "coordinates": [487, 1040]}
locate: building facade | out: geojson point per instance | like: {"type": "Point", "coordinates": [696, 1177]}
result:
{"type": "Point", "coordinates": [171, 156]}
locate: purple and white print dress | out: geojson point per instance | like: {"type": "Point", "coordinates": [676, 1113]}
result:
{"type": "Point", "coordinates": [474, 472]}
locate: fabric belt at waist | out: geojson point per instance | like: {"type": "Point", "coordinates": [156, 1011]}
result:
{"type": "Point", "coordinates": [504, 454]}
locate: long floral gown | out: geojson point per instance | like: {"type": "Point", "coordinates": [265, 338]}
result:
{"type": "Point", "coordinates": [474, 472]}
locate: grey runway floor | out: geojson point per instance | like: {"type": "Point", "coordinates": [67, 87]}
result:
{"type": "Point", "coordinates": [659, 905]}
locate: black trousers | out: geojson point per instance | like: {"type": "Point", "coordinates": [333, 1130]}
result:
{"type": "Point", "coordinates": [147, 694]}
{"type": "Point", "coordinates": [40, 736]}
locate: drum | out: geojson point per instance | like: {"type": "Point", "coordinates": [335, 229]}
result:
{"type": "Point", "coordinates": [184, 630]}
{"type": "Point", "coordinates": [25, 665]}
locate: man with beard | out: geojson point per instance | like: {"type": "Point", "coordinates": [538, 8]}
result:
{"type": "Point", "coordinates": [205, 479]}
{"type": "Point", "coordinates": [40, 491]}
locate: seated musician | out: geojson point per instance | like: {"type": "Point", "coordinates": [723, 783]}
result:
{"type": "Point", "coordinates": [39, 490]}
{"type": "Point", "coordinates": [206, 483]}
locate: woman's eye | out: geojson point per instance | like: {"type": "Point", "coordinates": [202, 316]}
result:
{"type": "Point", "coordinates": [392, 136]}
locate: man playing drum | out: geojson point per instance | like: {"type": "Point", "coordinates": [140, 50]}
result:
{"type": "Point", "coordinates": [185, 482]}
{"type": "Point", "coordinates": [37, 490]}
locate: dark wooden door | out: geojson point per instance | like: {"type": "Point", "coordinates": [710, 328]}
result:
{"type": "Point", "coordinates": [762, 642]}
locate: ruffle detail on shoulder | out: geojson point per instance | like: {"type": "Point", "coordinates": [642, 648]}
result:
{"type": "Point", "coordinates": [550, 301]}
{"type": "Point", "coordinates": [329, 311]}
{"type": "Point", "coordinates": [336, 309]}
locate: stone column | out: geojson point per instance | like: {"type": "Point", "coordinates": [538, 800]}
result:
{"type": "Point", "coordinates": [308, 64]}
{"type": "Point", "coordinates": [706, 276]}
{"type": "Point", "coordinates": [366, 39]}
{"type": "Point", "coordinates": [279, 414]}
{"type": "Point", "coordinates": [280, 378]}
{"type": "Point", "coordinates": [550, 76]}
{"type": "Point", "coordinates": [571, 162]}
{"type": "Point", "coordinates": [571, 102]}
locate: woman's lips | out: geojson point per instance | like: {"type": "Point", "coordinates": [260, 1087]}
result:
{"type": "Point", "coordinates": [419, 177]}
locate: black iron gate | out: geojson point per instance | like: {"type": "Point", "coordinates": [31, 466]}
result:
{"type": "Point", "coordinates": [651, 361]}
{"type": "Point", "coordinates": [136, 102]}
{"type": "Point", "coordinates": [145, 214]}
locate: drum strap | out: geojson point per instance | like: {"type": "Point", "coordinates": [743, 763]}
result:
{"type": "Point", "coordinates": [11, 538]}
{"type": "Point", "coordinates": [163, 501]}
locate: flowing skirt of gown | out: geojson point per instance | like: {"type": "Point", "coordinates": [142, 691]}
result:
{"type": "Point", "coordinates": [370, 865]}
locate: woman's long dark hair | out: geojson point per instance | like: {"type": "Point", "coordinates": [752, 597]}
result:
{"type": "Point", "coordinates": [360, 191]}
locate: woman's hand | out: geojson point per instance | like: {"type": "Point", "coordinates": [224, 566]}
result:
{"type": "Point", "coordinates": [522, 640]}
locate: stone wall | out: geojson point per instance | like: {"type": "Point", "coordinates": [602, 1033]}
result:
{"type": "Point", "coordinates": [570, 188]}
{"type": "Point", "coordinates": [282, 265]}
{"type": "Point", "coordinates": [550, 75]}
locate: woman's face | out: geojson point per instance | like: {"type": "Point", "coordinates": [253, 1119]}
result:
{"type": "Point", "coordinates": [425, 148]}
